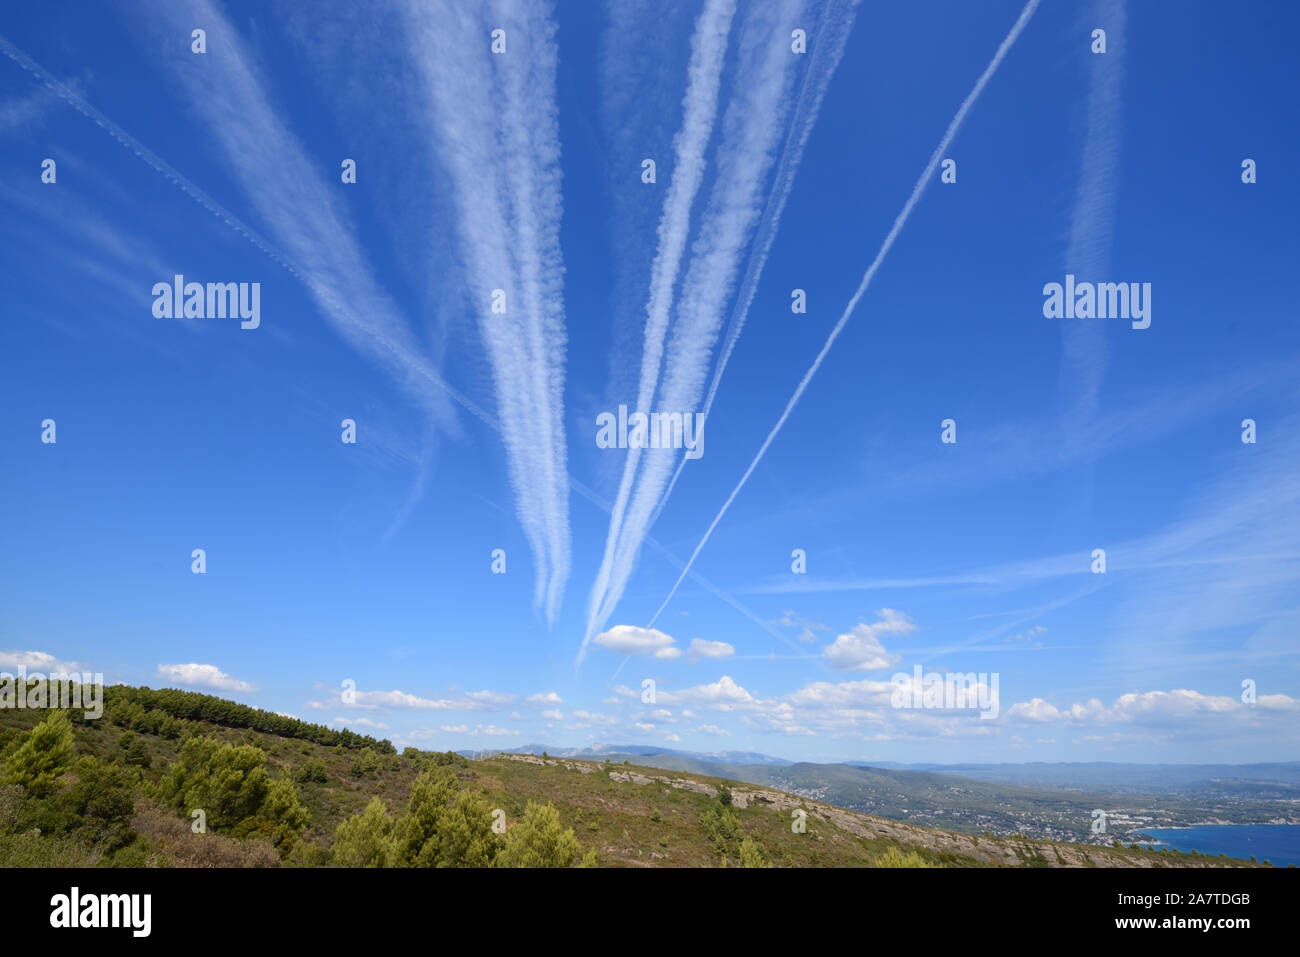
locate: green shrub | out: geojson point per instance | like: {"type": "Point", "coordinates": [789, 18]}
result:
{"type": "Point", "coordinates": [312, 771]}
{"type": "Point", "coordinates": [896, 857]}
{"type": "Point", "coordinates": [751, 854]}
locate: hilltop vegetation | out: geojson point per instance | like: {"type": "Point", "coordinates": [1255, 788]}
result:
{"type": "Point", "coordinates": [171, 778]}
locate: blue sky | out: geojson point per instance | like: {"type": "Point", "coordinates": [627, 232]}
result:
{"type": "Point", "coordinates": [522, 171]}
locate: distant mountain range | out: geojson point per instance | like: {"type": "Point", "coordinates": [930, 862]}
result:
{"type": "Point", "coordinates": [1045, 800]}
{"type": "Point", "coordinates": [1103, 775]}
{"type": "Point", "coordinates": [600, 751]}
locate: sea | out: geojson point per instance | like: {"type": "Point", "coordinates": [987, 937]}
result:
{"type": "Point", "coordinates": [1279, 844]}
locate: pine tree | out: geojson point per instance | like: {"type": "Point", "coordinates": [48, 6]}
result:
{"type": "Point", "coordinates": [365, 839]}
{"type": "Point", "coordinates": [751, 855]}
{"type": "Point", "coordinates": [228, 782]}
{"type": "Point", "coordinates": [416, 834]}
{"type": "Point", "coordinates": [45, 754]}
{"type": "Point", "coordinates": [539, 840]}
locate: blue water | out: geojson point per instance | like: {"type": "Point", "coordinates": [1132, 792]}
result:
{"type": "Point", "coordinates": [1279, 844]}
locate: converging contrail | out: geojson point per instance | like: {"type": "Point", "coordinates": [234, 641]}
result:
{"type": "Point", "coordinates": [752, 134]}
{"type": "Point", "coordinates": [494, 127]}
{"type": "Point", "coordinates": [827, 51]}
{"type": "Point", "coordinates": [736, 218]}
{"type": "Point", "coordinates": [899, 222]}
{"type": "Point", "coordinates": [699, 110]}
{"type": "Point", "coordinates": [395, 351]}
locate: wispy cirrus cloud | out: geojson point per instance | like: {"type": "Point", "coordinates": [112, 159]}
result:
{"type": "Point", "coordinates": [18, 111]}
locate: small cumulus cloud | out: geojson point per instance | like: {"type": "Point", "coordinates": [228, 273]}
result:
{"type": "Point", "coordinates": [721, 695]}
{"type": "Point", "coordinates": [203, 676]}
{"type": "Point", "coordinates": [36, 661]}
{"type": "Point", "coordinates": [711, 729]}
{"type": "Point", "coordinates": [699, 648]}
{"type": "Point", "coordinates": [860, 649]}
{"type": "Point", "coordinates": [631, 640]}
{"type": "Point", "coordinates": [361, 723]}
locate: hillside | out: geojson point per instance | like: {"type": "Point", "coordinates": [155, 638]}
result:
{"type": "Point", "coordinates": [125, 791]}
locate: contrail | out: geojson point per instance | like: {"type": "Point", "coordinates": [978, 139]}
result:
{"type": "Point", "coordinates": [827, 51]}
{"type": "Point", "coordinates": [297, 271]}
{"type": "Point", "coordinates": [289, 193]}
{"type": "Point", "coordinates": [495, 130]}
{"type": "Point", "coordinates": [752, 128]}
{"type": "Point", "coordinates": [899, 222]}
{"type": "Point", "coordinates": [363, 329]}
{"type": "Point", "coordinates": [699, 108]}
{"type": "Point", "coordinates": [323, 257]}
{"type": "Point", "coordinates": [533, 158]}
{"type": "Point", "coordinates": [1092, 219]}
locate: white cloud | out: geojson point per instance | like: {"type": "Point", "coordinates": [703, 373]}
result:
{"type": "Point", "coordinates": [721, 695]}
{"type": "Point", "coordinates": [631, 640]}
{"type": "Point", "coordinates": [712, 729]}
{"type": "Point", "coordinates": [860, 649]}
{"type": "Point", "coordinates": [397, 700]}
{"type": "Point", "coordinates": [489, 699]}
{"type": "Point", "coordinates": [36, 661]}
{"type": "Point", "coordinates": [203, 676]}
{"type": "Point", "coordinates": [549, 697]}
{"type": "Point", "coordinates": [1179, 709]}
{"type": "Point", "coordinates": [700, 648]}
{"type": "Point", "coordinates": [361, 722]}
{"type": "Point", "coordinates": [1036, 710]}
